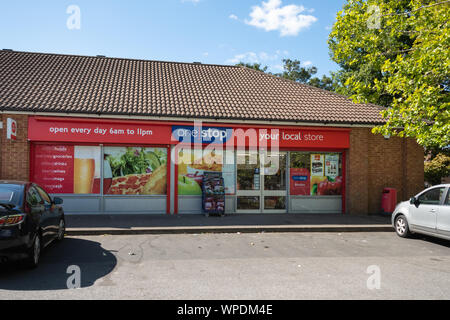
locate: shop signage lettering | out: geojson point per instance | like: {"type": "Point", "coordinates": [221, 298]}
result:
{"type": "Point", "coordinates": [44, 129]}
{"type": "Point", "coordinates": [136, 132]}
{"type": "Point", "coordinates": [194, 134]}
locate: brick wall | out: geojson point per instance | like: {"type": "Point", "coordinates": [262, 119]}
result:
{"type": "Point", "coordinates": [375, 163]}
{"type": "Point", "coordinates": [14, 155]}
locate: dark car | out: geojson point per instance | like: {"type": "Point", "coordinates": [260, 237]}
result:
{"type": "Point", "coordinates": [29, 220]}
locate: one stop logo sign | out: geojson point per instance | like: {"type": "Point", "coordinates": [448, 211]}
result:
{"type": "Point", "coordinates": [11, 129]}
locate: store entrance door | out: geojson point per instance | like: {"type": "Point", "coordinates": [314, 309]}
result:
{"type": "Point", "coordinates": [261, 182]}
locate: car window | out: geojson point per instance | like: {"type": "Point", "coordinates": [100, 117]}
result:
{"type": "Point", "coordinates": [447, 200]}
{"type": "Point", "coordinates": [10, 193]}
{"type": "Point", "coordinates": [432, 196]}
{"type": "Point", "coordinates": [33, 197]}
{"type": "Point", "coordinates": [44, 195]}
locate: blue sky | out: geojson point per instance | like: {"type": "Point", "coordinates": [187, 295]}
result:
{"type": "Point", "coordinates": [208, 31]}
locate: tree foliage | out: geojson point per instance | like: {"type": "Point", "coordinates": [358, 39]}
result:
{"type": "Point", "coordinates": [437, 168]}
{"type": "Point", "coordinates": [255, 66]}
{"type": "Point", "coordinates": [396, 54]}
{"type": "Point", "coordinates": [293, 70]}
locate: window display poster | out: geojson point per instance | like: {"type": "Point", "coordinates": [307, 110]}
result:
{"type": "Point", "coordinates": [192, 164]}
{"type": "Point", "coordinates": [317, 165]}
{"type": "Point", "coordinates": [329, 182]}
{"type": "Point", "coordinates": [67, 168]}
{"type": "Point", "coordinates": [332, 165]}
{"type": "Point", "coordinates": [135, 171]}
{"type": "Point", "coordinates": [300, 182]}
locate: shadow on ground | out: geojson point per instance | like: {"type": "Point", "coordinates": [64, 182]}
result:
{"type": "Point", "coordinates": [430, 239]}
{"type": "Point", "coordinates": [51, 274]}
{"type": "Point", "coordinates": [126, 221]}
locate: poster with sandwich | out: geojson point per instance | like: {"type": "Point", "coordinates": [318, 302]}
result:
{"type": "Point", "coordinates": [135, 171]}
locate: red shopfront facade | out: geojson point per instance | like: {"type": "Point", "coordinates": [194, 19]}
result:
{"type": "Point", "coordinates": [153, 167]}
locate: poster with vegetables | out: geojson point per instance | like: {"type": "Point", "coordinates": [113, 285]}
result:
{"type": "Point", "coordinates": [192, 164]}
{"type": "Point", "coordinates": [135, 171]}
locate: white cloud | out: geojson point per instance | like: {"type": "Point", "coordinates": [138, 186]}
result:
{"type": "Point", "coordinates": [288, 20]}
{"type": "Point", "coordinates": [233, 17]}
{"type": "Point", "coordinates": [249, 57]}
{"type": "Point", "coordinates": [307, 63]}
{"type": "Point", "coordinates": [205, 54]}
{"type": "Point", "coordinates": [192, 1]}
{"type": "Point", "coordinates": [252, 57]}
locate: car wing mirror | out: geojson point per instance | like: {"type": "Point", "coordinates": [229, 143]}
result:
{"type": "Point", "coordinates": [57, 200]}
{"type": "Point", "coordinates": [414, 201]}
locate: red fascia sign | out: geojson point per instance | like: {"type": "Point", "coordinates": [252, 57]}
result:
{"type": "Point", "coordinates": [88, 130]}
{"type": "Point", "coordinates": [97, 131]}
{"type": "Point", "coordinates": [293, 138]}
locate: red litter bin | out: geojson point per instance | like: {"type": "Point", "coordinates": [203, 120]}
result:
{"type": "Point", "coordinates": [388, 200]}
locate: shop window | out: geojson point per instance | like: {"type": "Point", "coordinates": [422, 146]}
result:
{"type": "Point", "coordinates": [192, 163]}
{"type": "Point", "coordinates": [135, 171]}
{"type": "Point", "coordinates": [67, 168]}
{"type": "Point", "coordinates": [315, 174]}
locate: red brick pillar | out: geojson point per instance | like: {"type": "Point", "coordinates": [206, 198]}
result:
{"type": "Point", "coordinates": [15, 154]}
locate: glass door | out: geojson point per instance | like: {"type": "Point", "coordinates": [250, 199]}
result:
{"type": "Point", "coordinates": [248, 182]}
{"type": "Point", "coordinates": [274, 189]}
{"type": "Point", "coordinates": [261, 182]}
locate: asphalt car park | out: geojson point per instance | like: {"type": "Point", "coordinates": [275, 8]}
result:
{"type": "Point", "coordinates": [320, 265]}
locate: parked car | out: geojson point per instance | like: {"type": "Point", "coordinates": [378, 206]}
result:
{"type": "Point", "coordinates": [426, 213]}
{"type": "Point", "coordinates": [29, 220]}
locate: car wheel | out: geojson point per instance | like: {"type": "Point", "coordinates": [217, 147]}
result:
{"type": "Point", "coordinates": [401, 226]}
{"type": "Point", "coordinates": [34, 253]}
{"type": "Point", "coordinates": [61, 230]}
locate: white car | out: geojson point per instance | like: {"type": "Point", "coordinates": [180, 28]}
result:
{"type": "Point", "coordinates": [427, 213]}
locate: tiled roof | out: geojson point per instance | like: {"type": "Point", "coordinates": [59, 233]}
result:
{"type": "Point", "coordinates": [97, 85]}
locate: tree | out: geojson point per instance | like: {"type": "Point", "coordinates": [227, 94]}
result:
{"type": "Point", "coordinates": [255, 66]}
{"type": "Point", "coordinates": [325, 83]}
{"type": "Point", "coordinates": [437, 168]}
{"type": "Point", "coordinates": [396, 54]}
{"type": "Point", "coordinates": [295, 72]}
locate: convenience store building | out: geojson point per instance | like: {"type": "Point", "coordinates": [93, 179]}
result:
{"type": "Point", "coordinates": [115, 135]}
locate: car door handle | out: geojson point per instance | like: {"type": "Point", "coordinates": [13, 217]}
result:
{"type": "Point", "coordinates": [433, 210]}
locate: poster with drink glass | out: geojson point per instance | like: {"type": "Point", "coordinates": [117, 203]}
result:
{"type": "Point", "coordinates": [67, 168]}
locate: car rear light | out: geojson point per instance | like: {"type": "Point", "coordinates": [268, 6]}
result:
{"type": "Point", "coordinates": [11, 220]}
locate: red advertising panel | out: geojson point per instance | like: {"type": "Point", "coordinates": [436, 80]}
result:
{"type": "Point", "coordinates": [88, 131]}
{"type": "Point", "coordinates": [300, 182]}
{"type": "Point", "coordinates": [67, 168]}
{"type": "Point", "coordinates": [53, 167]}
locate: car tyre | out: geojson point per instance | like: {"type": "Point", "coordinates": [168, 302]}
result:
{"type": "Point", "coordinates": [61, 230]}
{"type": "Point", "coordinates": [34, 253]}
{"type": "Point", "coordinates": [401, 226]}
